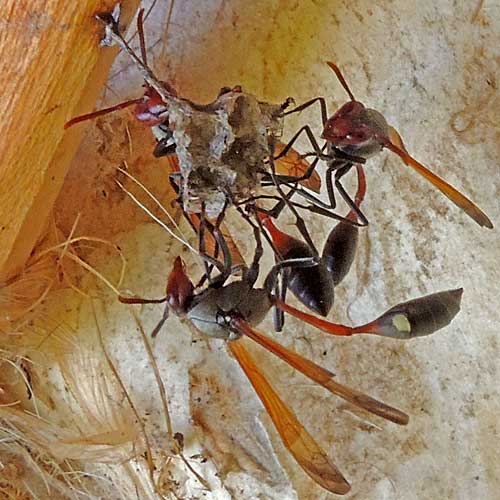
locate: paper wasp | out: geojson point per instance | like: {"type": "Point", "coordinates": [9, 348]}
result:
{"type": "Point", "coordinates": [230, 310]}
{"type": "Point", "coordinates": [226, 146]}
{"type": "Point", "coordinates": [359, 131]}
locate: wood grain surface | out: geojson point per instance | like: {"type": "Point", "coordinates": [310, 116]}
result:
{"type": "Point", "coordinates": [51, 68]}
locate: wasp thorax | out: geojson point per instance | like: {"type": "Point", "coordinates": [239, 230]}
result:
{"type": "Point", "coordinates": [212, 311]}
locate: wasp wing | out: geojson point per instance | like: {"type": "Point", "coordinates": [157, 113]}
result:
{"type": "Point", "coordinates": [323, 377]}
{"type": "Point", "coordinates": [395, 144]}
{"type": "Point", "coordinates": [313, 460]}
{"type": "Point", "coordinates": [293, 164]}
{"type": "Point", "coordinates": [396, 139]}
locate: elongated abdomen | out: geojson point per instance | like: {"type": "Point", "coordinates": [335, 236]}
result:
{"type": "Point", "coordinates": [313, 286]}
{"type": "Point", "coordinates": [418, 317]}
{"type": "Point", "coordinates": [340, 250]}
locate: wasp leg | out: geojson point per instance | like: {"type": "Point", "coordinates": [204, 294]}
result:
{"type": "Point", "coordinates": [225, 268]}
{"type": "Point", "coordinates": [339, 173]}
{"type": "Point", "coordinates": [322, 105]}
{"type": "Point", "coordinates": [299, 221]}
{"type": "Point", "coordinates": [203, 224]}
{"type": "Point", "coordinates": [312, 139]}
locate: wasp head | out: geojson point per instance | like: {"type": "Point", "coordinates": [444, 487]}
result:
{"type": "Point", "coordinates": [356, 130]}
{"type": "Point", "coordinates": [179, 288]}
{"type": "Point", "coordinates": [151, 110]}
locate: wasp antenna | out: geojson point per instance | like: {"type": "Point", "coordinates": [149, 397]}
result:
{"type": "Point", "coordinates": [341, 78]}
{"type": "Point", "coordinates": [140, 300]}
{"type": "Point", "coordinates": [104, 111]}
{"type": "Point", "coordinates": [142, 40]}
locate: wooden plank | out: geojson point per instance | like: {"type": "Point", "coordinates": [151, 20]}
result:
{"type": "Point", "coordinates": [51, 69]}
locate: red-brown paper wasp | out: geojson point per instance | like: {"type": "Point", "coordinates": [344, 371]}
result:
{"type": "Point", "coordinates": [224, 149]}
{"type": "Point", "coordinates": [358, 131]}
{"type": "Point", "coordinates": [230, 311]}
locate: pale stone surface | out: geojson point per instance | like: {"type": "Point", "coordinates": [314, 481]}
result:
{"type": "Point", "coordinates": [431, 68]}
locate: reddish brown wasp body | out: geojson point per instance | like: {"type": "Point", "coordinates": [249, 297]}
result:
{"type": "Point", "coordinates": [357, 131]}
{"type": "Point", "coordinates": [312, 285]}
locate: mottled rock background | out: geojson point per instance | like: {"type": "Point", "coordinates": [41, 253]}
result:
{"type": "Point", "coordinates": [432, 69]}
